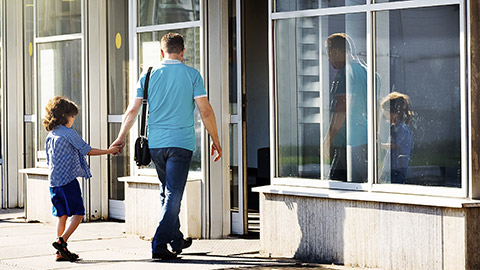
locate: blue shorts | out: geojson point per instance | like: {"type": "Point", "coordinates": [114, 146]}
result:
{"type": "Point", "coordinates": [67, 200]}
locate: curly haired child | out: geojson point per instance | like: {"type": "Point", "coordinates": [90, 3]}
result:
{"type": "Point", "coordinates": [66, 152]}
{"type": "Point", "coordinates": [396, 107]}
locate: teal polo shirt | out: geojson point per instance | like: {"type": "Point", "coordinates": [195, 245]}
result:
{"type": "Point", "coordinates": [356, 90]}
{"type": "Point", "coordinates": [172, 90]}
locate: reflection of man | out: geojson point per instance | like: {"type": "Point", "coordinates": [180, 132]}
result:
{"type": "Point", "coordinates": [346, 138]}
{"type": "Point", "coordinates": [173, 90]}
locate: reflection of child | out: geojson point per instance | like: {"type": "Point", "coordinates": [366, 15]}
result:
{"type": "Point", "coordinates": [396, 107]}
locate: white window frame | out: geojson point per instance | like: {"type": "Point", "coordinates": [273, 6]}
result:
{"type": "Point", "coordinates": [369, 9]}
{"type": "Point", "coordinates": [134, 30]}
{"type": "Point", "coordinates": [40, 156]}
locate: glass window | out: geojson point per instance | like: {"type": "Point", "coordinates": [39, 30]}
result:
{"type": "Point", "coordinates": [58, 17]}
{"type": "Point", "coordinates": [321, 87]}
{"type": "Point", "coordinates": [293, 5]}
{"type": "Point", "coordinates": [154, 12]}
{"type": "Point", "coordinates": [234, 167]}
{"type": "Point", "coordinates": [232, 57]}
{"type": "Point", "coordinates": [118, 68]}
{"type": "Point", "coordinates": [419, 127]}
{"type": "Point", "coordinates": [28, 59]}
{"type": "Point", "coordinates": [119, 165]}
{"type": "Point", "coordinates": [149, 55]}
{"type": "Point", "coordinates": [59, 68]}
{"type": "Point", "coordinates": [149, 47]}
{"type": "Point", "coordinates": [29, 127]}
{"type": "Point", "coordinates": [29, 145]}
{"type": "Point", "coordinates": [117, 57]}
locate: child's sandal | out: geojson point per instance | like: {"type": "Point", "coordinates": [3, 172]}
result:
{"type": "Point", "coordinates": [63, 259]}
{"type": "Point", "coordinates": [62, 249]}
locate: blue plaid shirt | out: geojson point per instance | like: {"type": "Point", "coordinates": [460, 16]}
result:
{"type": "Point", "coordinates": [66, 152]}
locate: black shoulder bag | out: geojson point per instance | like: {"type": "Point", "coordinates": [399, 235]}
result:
{"type": "Point", "coordinates": [142, 153]}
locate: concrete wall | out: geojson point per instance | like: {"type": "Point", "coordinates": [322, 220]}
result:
{"type": "Point", "coordinates": [369, 234]}
{"type": "Point", "coordinates": [142, 209]}
{"type": "Point", "coordinates": [38, 204]}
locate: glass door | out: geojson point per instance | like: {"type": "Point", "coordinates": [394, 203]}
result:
{"type": "Point", "coordinates": [238, 200]}
{"type": "Point", "coordinates": [119, 165]}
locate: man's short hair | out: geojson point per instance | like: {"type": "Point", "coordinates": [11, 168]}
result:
{"type": "Point", "coordinates": [172, 43]}
{"type": "Point", "coordinates": [339, 41]}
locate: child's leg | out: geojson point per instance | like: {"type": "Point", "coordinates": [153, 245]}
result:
{"type": "Point", "coordinates": [72, 226]}
{"type": "Point", "coordinates": [62, 222]}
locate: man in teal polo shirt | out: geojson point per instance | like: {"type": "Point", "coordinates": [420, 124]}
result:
{"type": "Point", "coordinates": [345, 143]}
{"type": "Point", "coordinates": [173, 91]}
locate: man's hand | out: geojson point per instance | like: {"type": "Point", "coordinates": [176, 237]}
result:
{"type": "Point", "coordinates": [216, 147]}
{"type": "Point", "coordinates": [114, 150]}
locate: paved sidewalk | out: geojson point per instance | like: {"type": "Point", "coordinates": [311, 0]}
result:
{"type": "Point", "coordinates": [103, 245]}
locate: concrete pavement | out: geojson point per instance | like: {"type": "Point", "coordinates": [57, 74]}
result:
{"type": "Point", "coordinates": [103, 245]}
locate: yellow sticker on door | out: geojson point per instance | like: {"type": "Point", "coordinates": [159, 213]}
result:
{"type": "Point", "coordinates": [118, 40]}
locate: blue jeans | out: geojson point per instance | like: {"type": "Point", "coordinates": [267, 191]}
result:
{"type": "Point", "coordinates": [172, 166]}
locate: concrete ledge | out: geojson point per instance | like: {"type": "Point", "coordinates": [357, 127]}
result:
{"type": "Point", "coordinates": [368, 196]}
{"type": "Point", "coordinates": [142, 206]}
{"type": "Point", "coordinates": [328, 227]}
{"type": "Point", "coordinates": [36, 171]}
{"type": "Point", "coordinates": [38, 205]}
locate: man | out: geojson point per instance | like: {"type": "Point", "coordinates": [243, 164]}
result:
{"type": "Point", "coordinates": [173, 89]}
{"type": "Point", "coordinates": [348, 109]}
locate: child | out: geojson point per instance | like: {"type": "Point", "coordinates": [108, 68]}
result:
{"type": "Point", "coordinates": [396, 107]}
{"type": "Point", "coordinates": [66, 152]}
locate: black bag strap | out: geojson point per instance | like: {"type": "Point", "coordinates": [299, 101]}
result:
{"type": "Point", "coordinates": [143, 128]}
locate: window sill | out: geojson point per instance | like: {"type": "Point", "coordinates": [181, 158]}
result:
{"type": "Point", "coordinates": [368, 196]}
{"type": "Point", "coordinates": [36, 171]}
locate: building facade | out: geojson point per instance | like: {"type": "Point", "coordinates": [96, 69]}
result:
{"type": "Point", "coordinates": [370, 191]}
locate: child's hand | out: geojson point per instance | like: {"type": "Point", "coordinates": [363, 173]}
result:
{"type": "Point", "coordinates": [115, 149]}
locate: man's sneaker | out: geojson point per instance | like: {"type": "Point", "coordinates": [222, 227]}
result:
{"type": "Point", "coordinates": [164, 255]}
{"type": "Point", "coordinates": [187, 242]}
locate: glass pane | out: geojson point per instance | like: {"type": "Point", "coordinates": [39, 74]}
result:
{"type": "Point", "coordinates": [154, 12]}
{"type": "Point", "coordinates": [119, 165]}
{"type": "Point", "coordinates": [234, 167]}
{"type": "Point", "coordinates": [149, 47]}
{"type": "Point", "coordinates": [58, 17]}
{"type": "Point", "coordinates": [149, 55]}
{"type": "Point", "coordinates": [232, 56]}
{"type": "Point", "coordinates": [59, 74]}
{"type": "Point", "coordinates": [322, 88]}
{"type": "Point", "coordinates": [418, 56]}
{"type": "Point", "coordinates": [117, 57]}
{"type": "Point", "coordinates": [293, 5]}
{"type": "Point", "coordinates": [28, 59]}
{"type": "Point", "coordinates": [29, 157]}
{"type": "Point", "coordinates": [196, 164]}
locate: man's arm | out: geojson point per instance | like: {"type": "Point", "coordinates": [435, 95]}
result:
{"type": "Point", "coordinates": [127, 122]}
{"type": "Point", "coordinates": [208, 118]}
{"type": "Point", "coordinates": [337, 121]}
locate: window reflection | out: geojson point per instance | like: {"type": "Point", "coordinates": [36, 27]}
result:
{"type": "Point", "coordinates": [58, 17]}
{"type": "Point", "coordinates": [59, 74]}
{"type": "Point", "coordinates": [154, 12]}
{"type": "Point", "coordinates": [318, 87]}
{"type": "Point", "coordinates": [117, 57]}
{"type": "Point", "coordinates": [293, 5]}
{"type": "Point", "coordinates": [418, 55]}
